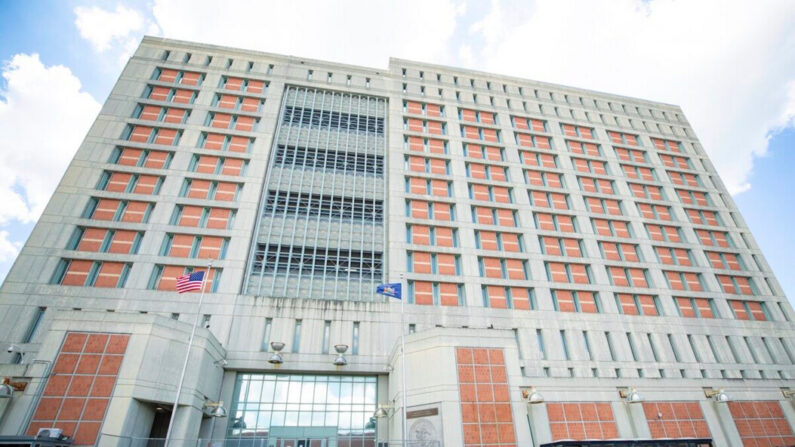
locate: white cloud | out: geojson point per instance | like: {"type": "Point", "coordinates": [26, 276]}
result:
{"type": "Point", "coordinates": [104, 28]}
{"type": "Point", "coordinates": [357, 31]}
{"type": "Point", "coordinates": [44, 116]}
{"type": "Point", "coordinates": [8, 249]}
{"type": "Point", "coordinates": [729, 64]}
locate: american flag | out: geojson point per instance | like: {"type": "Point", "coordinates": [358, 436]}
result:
{"type": "Point", "coordinates": [192, 281]}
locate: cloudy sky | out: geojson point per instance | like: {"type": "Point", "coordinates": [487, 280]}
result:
{"type": "Point", "coordinates": [730, 65]}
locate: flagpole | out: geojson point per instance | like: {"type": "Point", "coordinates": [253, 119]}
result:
{"type": "Point", "coordinates": [187, 356]}
{"type": "Point", "coordinates": [403, 361]}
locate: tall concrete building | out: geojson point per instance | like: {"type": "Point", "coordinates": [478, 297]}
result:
{"type": "Point", "coordinates": [572, 265]}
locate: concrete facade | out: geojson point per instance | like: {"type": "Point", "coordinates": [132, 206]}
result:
{"type": "Point", "coordinates": [480, 145]}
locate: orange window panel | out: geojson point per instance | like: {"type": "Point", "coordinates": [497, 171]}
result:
{"type": "Point", "coordinates": [612, 207]}
{"type": "Point", "coordinates": [146, 184]}
{"type": "Point", "coordinates": [490, 135]}
{"type": "Point", "coordinates": [118, 182]}
{"type": "Point", "coordinates": [440, 188]}
{"type": "Point", "coordinates": [150, 113]}
{"type": "Point", "coordinates": [726, 283]}
{"type": "Point", "coordinates": [565, 300]}
{"type": "Point", "coordinates": [418, 209]}
{"type": "Point", "coordinates": [488, 118]}
{"type": "Point", "coordinates": [497, 299]}
{"type": "Point", "coordinates": [77, 272]}
{"type": "Point", "coordinates": [448, 294]}
{"type": "Point", "coordinates": [674, 280]}
{"type": "Point", "coordinates": [175, 115]}
{"type": "Point", "coordinates": [140, 134]}
{"type": "Point", "coordinates": [435, 128]}
{"type": "Point", "coordinates": [588, 184]}
{"type": "Point", "coordinates": [168, 278]}
{"type": "Point", "coordinates": [581, 165]}
{"type": "Point", "coordinates": [545, 221]}
{"type": "Point", "coordinates": [418, 185]}
{"type": "Point", "coordinates": [501, 194]}
{"type": "Point", "coordinates": [535, 178]}
{"type": "Point", "coordinates": [739, 310]}
{"type": "Point", "coordinates": [471, 132]}
{"type": "Point", "coordinates": [605, 186]}
{"type": "Point", "coordinates": [433, 110]}
{"type": "Point", "coordinates": [629, 252]}
{"type": "Point", "coordinates": [420, 235]}
{"type": "Point", "coordinates": [599, 167]}
{"type": "Point", "coordinates": [638, 278]}
{"type": "Point", "coordinates": [190, 78]}
{"type": "Point", "coordinates": [557, 272]}
{"type": "Point", "coordinates": [423, 293]}
{"type": "Point", "coordinates": [756, 310]}
{"type": "Point", "coordinates": [615, 137]}
{"type": "Point", "coordinates": [492, 267]}
{"type": "Point", "coordinates": [226, 191]}
{"type": "Point", "coordinates": [480, 192]}
{"type": "Point", "coordinates": [692, 281]}
{"type": "Point", "coordinates": [442, 211]}
{"type": "Point", "coordinates": [704, 308]}
{"type": "Point", "coordinates": [417, 164]}
{"type": "Point", "coordinates": [672, 233]}
{"type": "Point", "coordinates": [586, 132]}
{"type": "Point", "coordinates": [414, 107]}
{"type": "Point", "coordinates": [553, 180]}
{"type": "Point", "coordinates": [659, 144]}
{"type": "Point", "coordinates": [444, 237]}
{"type": "Point", "coordinates": [572, 247]}
{"type": "Point", "coordinates": [210, 247]}
{"type": "Point", "coordinates": [219, 218]}
{"type": "Point", "coordinates": [122, 241]}
{"type": "Point", "coordinates": [618, 276]}
{"type": "Point", "coordinates": [436, 146]}
{"type": "Point", "coordinates": [744, 284]}
{"type": "Point", "coordinates": [445, 264]}
{"type": "Point", "coordinates": [493, 153]}
{"type": "Point", "coordinates": [682, 256]}
{"type": "Point", "coordinates": [183, 96]}
{"type": "Point", "coordinates": [610, 251]}
{"type": "Point", "coordinates": [250, 105]}
{"type": "Point", "coordinates": [569, 130]}
{"type": "Point", "coordinates": [255, 86]}
{"type": "Point", "coordinates": [106, 209]}
{"type": "Point", "coordinates": [207, 164]}
{"type": "Point", "coordinates": [594, 205]}
{"type": "Point", "coordinates": [686, 307]}
{"type": "Point", "coordinates": [539, 199]}
{"type": "Point", "coordinates": [621, 228]}
{"type": "Point", "coordinates": [166, 136]}
{"type": "Point", "coordinates": [602, 227]}
{"type": "Point", "coordinates": [664, 253]}
{"type": "Point", "coordinates": [109, 274]}
{"type": "Point", "coordinates": [587, 302]}
{"type": "Point", "coordinates": [551, 246]}
{"type": "Point", "coordinates": [245, 123]}
{"type": "Point", "coordinates": [159, 93]}
{"type": "Point", "coordinates": [663, 212]}
{"type": "Point", "coordinates": [238, 144]}
{"type": "Point", "coordinates": [565, 223]}
{"type": "Point", "coordinates": [167, 75]}
{"type": "Point", "coordinates": [227, 101]}
{"type": "Point", "coordinates": [510, 242]}
{"type": "Point", "coordinates": [488, 240]}
{"type": "Point", "coordinates": [91, 240]}
{"type": "Point", "coordinates": [521, 298]}
{"type": "Point", "coordinates": [438, 166]}
{"type": "Point", "coordinates": [129, 156]}
{"type": "Point", "coordinates": [515, 269]}
{"type": "Point", "coordinates": [505, 217]}
{"type": "Point", "coordinates": [543, 142]}
{"type": "Point", "coordinates": [578, 274]}
{"type": "Point", "coordinates": [416, 144]}
{"type": "Point", "coordinates": [135, 212]}
{"type": "Point", "coordinates": [468, 115]}
{"type": "Point", "coordinates": [198, 189]}
{"type": "Point", "coordinates": [520, 123]}
{"type": "Point", "coordinates": [190, 216]}
{"type": "Point", "coordinates": [477, 171]}
{"type": "Point", "coordinates": [627, 302]}
{"type": "Point", "coordinates": [181, 245]}
{"type": "Point", "coordinates": [221, 121]}
{"type": "Point", "coordinates": [233, 84]}
{"type": "Point", "coordinates": [214, 141]}
{"type": "Point", "coordinates": [232, 166]}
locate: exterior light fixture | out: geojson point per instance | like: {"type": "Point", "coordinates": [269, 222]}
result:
{"type": "Point", "coordinates": [532, 396]}
{"type": "Point", "coordinates": [215, 409]}
{"type": "Point", "coordinates": [788, 393]}
{"type": "Point", "coordinates": [276, 357]}
{"type": "Point", "coordinates": [6, 391]}
{"type": "Point", "coordinates": [340, 359]}
{"type": "Point", "coordinates": [7, 388]}
{"type": "Point", "coordinates": [630, 395]}
{"type": "Point", "coordinates": [718, 395]}
{"type": "Point", "coordinates": [382, 411]}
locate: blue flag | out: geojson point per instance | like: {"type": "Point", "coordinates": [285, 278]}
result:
{"type": "Point", "coordinates": [392, 290]}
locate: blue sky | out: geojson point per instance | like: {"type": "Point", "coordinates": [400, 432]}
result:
{"type": "Point", "coordinates": [730, 64]}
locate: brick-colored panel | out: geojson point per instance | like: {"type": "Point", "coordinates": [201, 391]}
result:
{"type": "Point", "coordinates": [581, 420]}
{"type": "Point", "coordinates": [761, 423]}
{"type": "Point", "coordinates": [77, 393]}
{"type": "Point", "coordinates": [675, 420]}
{"type": "Point", "coordinates": [487, 419]}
